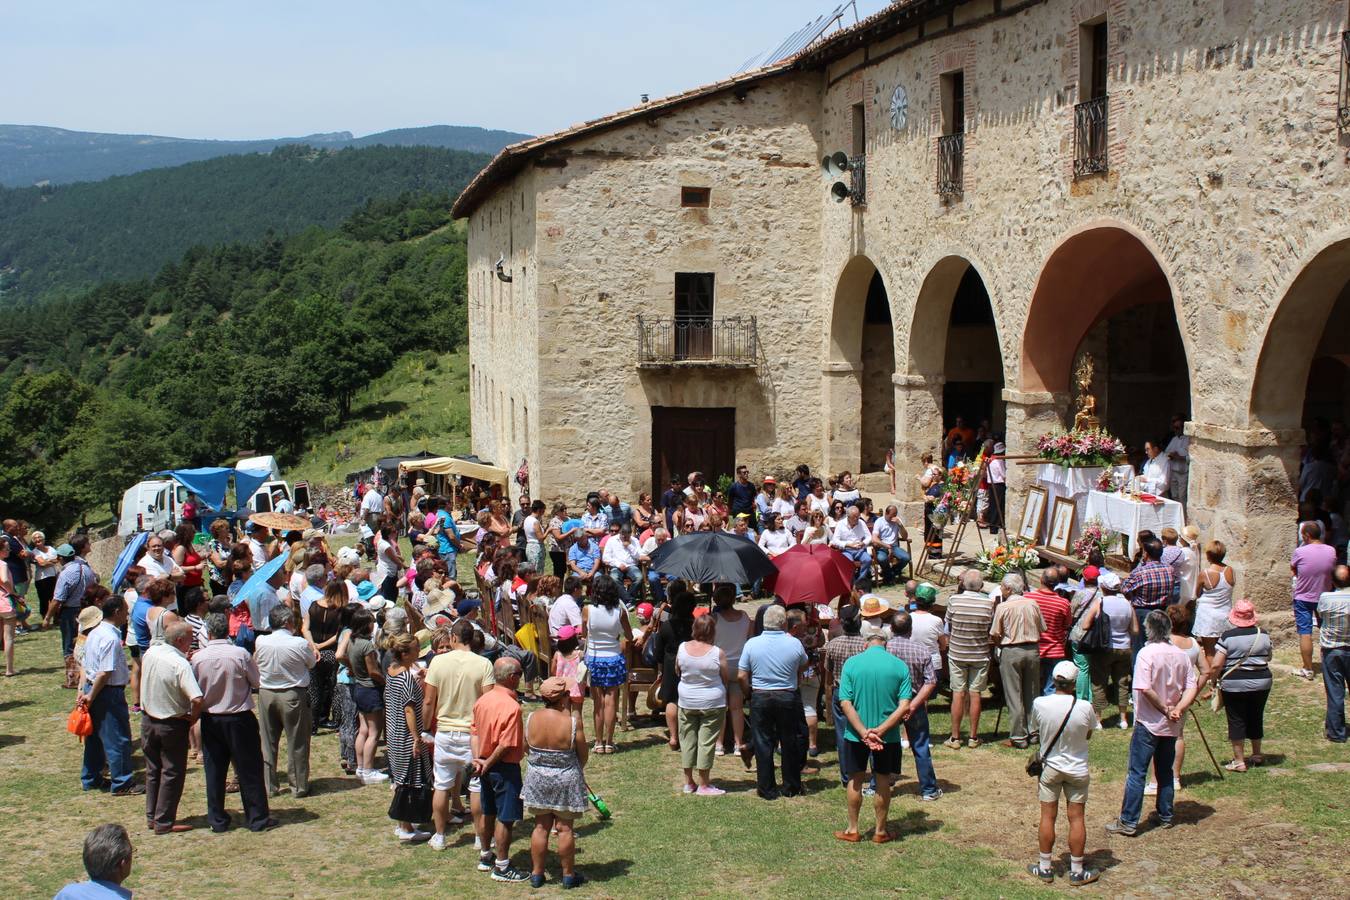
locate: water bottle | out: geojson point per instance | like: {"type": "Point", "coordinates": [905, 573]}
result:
{"type": "Point", "coordinates": [599, 803]}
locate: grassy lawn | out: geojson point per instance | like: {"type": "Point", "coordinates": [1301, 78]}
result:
{"type": "Point", "coordinates": [1250, 830]}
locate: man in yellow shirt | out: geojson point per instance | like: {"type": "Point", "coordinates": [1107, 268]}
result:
{"type": "Point", "coordinates": [454, 682]}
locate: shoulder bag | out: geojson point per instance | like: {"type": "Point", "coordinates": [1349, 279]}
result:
{"type": "Point", "coordinates": [1216, 702]}
{"type": "Point", "coordinates": [1036, 764]}
{"type": "Point", "coordinates": [1095, 637]}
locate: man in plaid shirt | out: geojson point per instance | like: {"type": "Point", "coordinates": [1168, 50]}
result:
{"type": "Point", "coordinates": [920, 661]}
{"type": "Point", "coordinates": [1148, 587]}
{"type": "Point", "coordinates": [835, 653]}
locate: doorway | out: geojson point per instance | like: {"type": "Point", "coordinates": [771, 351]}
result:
{"type": "Point", "coordinates": [692, 439]}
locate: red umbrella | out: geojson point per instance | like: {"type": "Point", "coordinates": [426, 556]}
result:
{"type": "Point", "coordinates": [811, 573]}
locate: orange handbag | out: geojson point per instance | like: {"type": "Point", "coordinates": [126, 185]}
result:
{"type": "Point", "coordinates": [79, 722]}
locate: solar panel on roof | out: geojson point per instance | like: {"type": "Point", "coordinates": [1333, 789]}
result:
{"type": "Point", "coordinates": [802, 38]}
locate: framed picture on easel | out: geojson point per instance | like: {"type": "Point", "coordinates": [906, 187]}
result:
{"type": "Point", "coordinates": [1061, 525]}
{"type": "Point", "coordinates": [1033, 515]}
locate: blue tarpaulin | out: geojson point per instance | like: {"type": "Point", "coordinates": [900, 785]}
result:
{"type": "Point", "coordinates": [257, 588]}
{"type": "Point", "coordinates": [210, 483]}
{"type": "Point", "coordinates": [127, 558]}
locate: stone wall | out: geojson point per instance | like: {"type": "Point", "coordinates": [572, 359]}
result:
{"type": "Point", "coordinates": [1227, 175]}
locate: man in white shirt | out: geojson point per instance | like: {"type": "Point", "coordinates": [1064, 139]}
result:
{"type": "Point", "coordinates": [799, 521]}
{"type": "Point", "coordinates": [281, 503]}
{"type": "Point", "coordinates": [886, 536]}
{"type": "Point", "coordinates": [1154, 477]}
{"type": "Point", "coordinates": [1178, 455]}
{"type": "Point", "coordinates": [284, 662]}
{"type": "Point", "coordinates": [157, 562]}
{"type": "Point", "coordinates": [852, 538]}
{"type": "Point", "coordinates": [1065, 770]}
{"type": "Point", "coordinates": [621, 555]}
{"type": "Point", "coordinates": [565, 610]}
{"type": "Point", "coordinates": [171, 701]}
{"type": "Point", "coordinates": [655, 580]}
{"type": "Point", "coordinates": [257, 535]}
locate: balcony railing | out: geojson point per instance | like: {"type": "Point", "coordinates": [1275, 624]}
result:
{"type": "Point", "coordinates": [1343, 92]}
{"type": "Point", "coordinates": [857, 170]}
{"type": "Point", "coordinates": [951, 165]}
{"type": "Point", "coordinates": [1089, 137]}
{"type": "Point", "coordinates": [698, 341]}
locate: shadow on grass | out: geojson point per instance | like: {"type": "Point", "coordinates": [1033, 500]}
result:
{"type": "Point", "coordinates": [1101, 860]}
{"type": "Point", "coordinates": [914, 822]}
{"type": "Point", "coordinates": [333, 785]}
{"type": "Point", "coordinates": [9, 740]}
{"type": "Point", "coordinates": [7, 705]}
{"type": "Point", "coordinates": [605, 871]}
{"type": "Point", "coordinates": [1189, 812]}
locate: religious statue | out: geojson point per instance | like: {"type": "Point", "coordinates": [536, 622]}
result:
{"type": "Point", "coordinates": [1086, 416]}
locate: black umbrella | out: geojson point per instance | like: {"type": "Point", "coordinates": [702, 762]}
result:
{"type": "Point", "coordinates": [708, 556]}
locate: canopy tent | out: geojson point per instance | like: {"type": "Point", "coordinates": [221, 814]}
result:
{"type": "Point", "coordinates": [390, 465]}
{"type": "Point", "coordinates": [210, 483]}
{"type": "Point", "coordinates": [463, 466]}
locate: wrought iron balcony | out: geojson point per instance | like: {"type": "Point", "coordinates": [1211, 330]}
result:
{"type": "Point", "coordinates": [857, 170]}
{"type": "Point", "coordinates": [1343, 91]}
{"type": "Point", "coordinates": [1089, 137]}
{"type": "Point", "coordinates": [951, 165]}
{"type": "Point", "coordinates": [692, 341]}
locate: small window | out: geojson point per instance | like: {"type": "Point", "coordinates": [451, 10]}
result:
{"type": "Point", "coordinates": [695, 196]}
{"type": "Point", "coordinates": [859, 129]}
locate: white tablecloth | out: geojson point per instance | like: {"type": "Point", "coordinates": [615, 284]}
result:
{"type": "Point", "coordinates": [1076, 483]}
{"type": "Point", "coordinates": [1129, 517]}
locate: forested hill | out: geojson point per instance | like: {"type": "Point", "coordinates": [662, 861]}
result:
{"type": "Point", "coordinates": [70, 237]}
{"type": "Point", "coordinates": [245, 345]}
{"type": "Point", "coordinates": [33, 153]}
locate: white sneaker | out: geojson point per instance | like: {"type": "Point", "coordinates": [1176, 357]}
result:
{"type": "Point", "coordinates": [904, 743]}
{"type": "Point", "coordinates": [1098, 726]}
{"type": "Point", "coordinates": [1151, 789]}
{"type": "Point", "coordinates": [437, 841]}
{"type": "Point", "coordinates": [374, 776]}
{"type": "Point", "coordinates": [414, 836]}
{"type": "Point", "coordinates": [1124, 723]}
{"type": "Point", "coordinates": [478, 843]}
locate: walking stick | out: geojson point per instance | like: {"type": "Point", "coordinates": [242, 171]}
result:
{"type": "Point", "coordinates": [1204, 741]}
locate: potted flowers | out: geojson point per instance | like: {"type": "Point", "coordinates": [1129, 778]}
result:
{"type": "Point", "coordinates": [1015, 556]}
{"type": "Point", "coordinates": [1093, 536]}
{"type": "Point", "coordinates": [1086, 447]}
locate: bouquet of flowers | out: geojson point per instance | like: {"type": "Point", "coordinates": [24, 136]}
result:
{"type": "Point", "coordinates": [1094, 536]}
{"type": "Point", "coordinates": [1081, 447]}
{"type": "Point", "coordinates": [1015, 556]}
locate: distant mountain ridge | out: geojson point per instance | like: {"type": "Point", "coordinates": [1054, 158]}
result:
{"type": "Point", "coordinates": [31, 154]}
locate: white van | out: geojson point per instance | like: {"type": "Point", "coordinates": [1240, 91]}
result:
{"type": "Point", "coordinates": [150, 506]}
{"type": "Point", "coordinates": [261, 500]}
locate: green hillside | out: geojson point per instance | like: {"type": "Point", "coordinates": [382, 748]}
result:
{"type": "Point", "coordinates": [70, 237]}
{"type": "Point", "coordinates": [276, 346]}
{"type": "Point", "coordinates": [30, 154]}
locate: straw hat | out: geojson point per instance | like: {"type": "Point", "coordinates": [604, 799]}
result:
{"type": "Point", "coordinates": [90, 617]}
{"type": "Point", "coordinates": [872, 605]}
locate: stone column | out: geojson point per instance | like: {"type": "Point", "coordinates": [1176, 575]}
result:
{"type": "Point", "coordinates": [1029, 415]}
{"type": "Point", "coordinates": [918, 428]}
{"type": "Point", "coordinates": [1243, 492]}
{"type": "Point", "coordinates": [843, 416]}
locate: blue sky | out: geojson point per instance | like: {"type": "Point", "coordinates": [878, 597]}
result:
{"type": "Point", "coordinates": [269, 68]}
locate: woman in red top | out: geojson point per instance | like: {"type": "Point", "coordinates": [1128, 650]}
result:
{"type": "Point", "coordinates": [189, 558]}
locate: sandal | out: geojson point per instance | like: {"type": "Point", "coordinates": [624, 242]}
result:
{"type": "Point", "coordinates": [625, 725]}
{"type": "Point", "coordinates": [599, 747]}
{"type": "Point", "coordinates": [611, 748]}
{"type": "Point", "coordinates": [1234, 765]}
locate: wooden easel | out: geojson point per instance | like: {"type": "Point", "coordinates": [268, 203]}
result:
{"type": "Point", "coordinates": [973, 487]}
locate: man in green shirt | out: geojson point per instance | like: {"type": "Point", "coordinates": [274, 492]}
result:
{"type": "Point", "coordinates": [874, 691]}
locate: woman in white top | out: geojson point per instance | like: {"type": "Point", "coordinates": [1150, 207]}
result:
{"type": "Point", "coordinates": [46, 566]}
{"type": "Point", "coordinates": [836, 515]}
{"type": "Point", "coordinates": [604, 628]}
{"type": "Point", "coordinates": [704, 676]}
{"type": "Point", "coordinates": [733, 630]}
{"type": "Point", "coordinates": [775, 539]}
{"type": "Point", "coordinates": [816, 532]}
{"type": "Point", "coordinates": [1216, 599]}
{"type": "Point", "coordinates": [1110, 669]}
{"type": "Point", "coordinates": [786, 503]}
{"type": "Point", "coordinates": [534, 535]}
{"type": "Point", "coordinates": [389, 562]}
{"type": "Point", "coordinates": [1190, 562]}
{"type": "Point", "coordinates": [846, 492]}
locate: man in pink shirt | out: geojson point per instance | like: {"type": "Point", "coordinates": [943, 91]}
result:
{"type": "Point", "coordinates": [1164, 687]}
{"type": "Point", "coordinates": [1312, 565]}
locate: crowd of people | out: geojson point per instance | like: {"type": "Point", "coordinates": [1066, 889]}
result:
{"type": "Point", "coordinates": [398, 652]}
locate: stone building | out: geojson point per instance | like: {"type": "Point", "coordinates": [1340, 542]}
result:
{"type": "Point", "coordinates": [1162, 182]}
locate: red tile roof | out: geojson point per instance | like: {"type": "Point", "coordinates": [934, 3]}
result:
{"type": "Point", "coordinates": [511, 159]}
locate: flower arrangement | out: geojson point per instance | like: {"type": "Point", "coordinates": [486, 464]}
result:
{"type": "Point", "coordinates": [1093, 536]}
{"type": "Point", "coordinates": [1015, 556]}
{"type": "Point", "coordinates": [1080, 447]}
{"type": "Point", "coordinates": [957, 497]}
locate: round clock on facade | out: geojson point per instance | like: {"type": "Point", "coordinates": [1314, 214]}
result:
{"type": "Point", "coordinates": [899, 107]}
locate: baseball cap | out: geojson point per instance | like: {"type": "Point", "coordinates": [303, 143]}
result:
{"type": "Point", "coordinates": [467, 605]}
{"type": "Point", "coordinates": [348, 556]}
{"type": "Point", "coordinates": [65, 551]}
{"type": "Point", "coordinates": [926, 592]}
{"type": "Point", "coordinates": [567, 632]}
{"type": "Point", "coordinates": [1091, 573]}
{"type": "Point", "coordinates": [645, 610]}
{"type": "Point", "coordinates": [1065, 670]}
{"type": "Point", "coordinates": [1108, 581]}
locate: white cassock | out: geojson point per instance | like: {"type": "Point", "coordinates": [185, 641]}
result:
{"type": "Point", "coordinates": [1178, 469]}
{"type": "Point", "coordinates": [1154, 477]}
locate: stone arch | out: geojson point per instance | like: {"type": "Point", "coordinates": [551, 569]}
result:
{"type": "Point", "coordinates": [858, 372]}
{"type": "Point", "coordinates": [1104, 288]}
{"type": "Point", "coordinates": [1315, 300]}
{"type": "Point", "coordinates": [950, 357]}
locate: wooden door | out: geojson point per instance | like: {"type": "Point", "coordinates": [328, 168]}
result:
{"type": "Point", "coordinates": [688, 439]}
